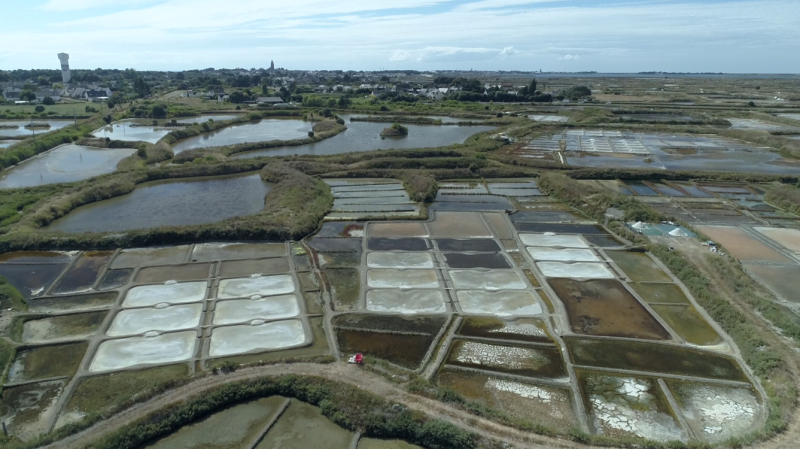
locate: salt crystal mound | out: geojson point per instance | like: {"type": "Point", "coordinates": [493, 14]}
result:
{"type": "Point", "coordinates": [137, 321]}
{"type": "Point", "coordinates": [406, 302]}
{"type": "Point", "coordinates": [565, 241]}
{"type": "Point", "coordinates": [127, 352]}
{"type": "Point", "coordinates": [504, 303]}
{"type": "Point", "coordinates": [625, 404]}
{"type": "Point", "coordinates": [150, 295]}
{"type": "Point", "coordinates": [578, 270]}
{"type": "Point", "coordinates": [564, 255]}
{"type": "Point", "coordinates": [487, 280]}
{"type": "Point", "coordinates": [271, 308]}
{"type": "Point", "coordinates": [678, 232]}
{"type": "Point", "coordinates": [230, 340]}
{"type": "Point", "coordinates": [718, 412]}
{"type": "Point", "coordinates": [264, 286]}
{"type": "Point", "coordinates": [639, 225]}
{"type": "Point", "coordinates": [402, 279]}
{"type": "Point", "coordinates": [520, 389]}
{"type": "Point", "coordinates": [399, 260]}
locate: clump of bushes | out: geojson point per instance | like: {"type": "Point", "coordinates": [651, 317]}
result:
{"type": "Point", "coordinates": [396, 130]}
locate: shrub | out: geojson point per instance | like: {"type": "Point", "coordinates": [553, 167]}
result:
{"type": "Point", "coordinates": [39, 108]}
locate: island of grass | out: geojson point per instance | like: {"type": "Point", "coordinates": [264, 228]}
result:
{"type": "Point", "coordinates": [396, 130]}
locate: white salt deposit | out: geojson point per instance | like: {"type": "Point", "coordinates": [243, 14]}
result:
{"type": "Point", "coordinates": [150, 295]}
{"type": "Point", "coordinates": [406, 301]}
{"type": "Point", "coordinates": [403, 279]}
{"type": "Point", "coordinates": [678, 232]}
{"type": "Point", "coordinates": [263, 285]}
{"type": "Point", "coordinates": [578, 270]}
{"type": "Point", "coordinates": [487, 280]}
{"type": "Point", "coordinates": [719, 412]}
{"type": "Point", "coordinates": [564, 255]}
{"type": "Point", "coordinates": [520, 329]}
{"type": "Point", "coordinates": [503, 303]}
{"type": "Point", "coordinates": [270, 336]}
{"type": "Point", "coordinates": [137, 321]}
{"type": "Point", "coordinates": [127, 352]}
{"type": "Point", "coordinates": [565, 241]}
{"type": "Point", "coordinates": [520, 389]}
{"type": "Point", "coordinates": [270, 308]}
{"type": "Point", "coordinates": [508, 357]}
{"type": "Point", "coordinates": [399, 260]}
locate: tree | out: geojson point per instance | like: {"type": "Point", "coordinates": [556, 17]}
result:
{"type": "Point", "coordinates": [532, 87]}
{"type": "Point", "coordinates": [237, 97]}
{"type": "Point", "coordinates": [39, 108]}
{"type": "Point", "coordinates": [159, 111]}
{"type": "Point", "coordinates": [27, 95]}
{"type": "Point", "coordinates": [110, 105]}
{"type": "Point", "coordinates": [140, 87]}
{"type": "Point", "coordinates": [344, 102]}
{"type": "Point", "coordinates": [48, 101]}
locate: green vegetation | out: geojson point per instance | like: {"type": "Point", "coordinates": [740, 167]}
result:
{"type": "Point", "coordinates": [30, 147]}
{"type": "Point", "coordinates": [10, 297]}
{"type": "Point", "coordinates": [786, 197]}
{"type": "Point", "coordinates": [396, 130]}
{"type": "Point", "coordinates": [345, 405]}
{"type": "Point", "coordinates": [109, 393]}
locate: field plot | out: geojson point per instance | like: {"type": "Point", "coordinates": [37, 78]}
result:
{"type": "Point", "coordinates": [742, 246]}
{"type": "Point", "coordinates": [370, 198]}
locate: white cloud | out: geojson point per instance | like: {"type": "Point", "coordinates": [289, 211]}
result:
{"type": "Point", "coordinates": [508, 51]}
{"type": "Point", "coordinates": [432, 54]}
{"type": "Point", "coordinates": [497, 4]}
{"type": "Point", "coordinates": [569, 57]}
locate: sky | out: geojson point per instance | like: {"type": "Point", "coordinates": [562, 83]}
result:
{"type": "Point", "coordinates": [732, 36]}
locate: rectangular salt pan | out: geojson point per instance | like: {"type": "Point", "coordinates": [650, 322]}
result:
{"type": "Point", "coordinates": [262, 286]}
{"type": "Point", "coordinates": [566, 241]}
{"type": "Point", "coordinates": [406, 301]}
{"type": "Point", "coordinates": [399, 260]}
{"type": "Point", "coordinates": [270, 336]}
{"type": "Point", "coordinates": [579, 270]}
{"type": "Point", "coordinates": [139, 321]}
{"type": "Point", "coordinates": [564, 255]}
{"type": "Point", "coordinates": [404, 279]}
{"type": "Point", "coordinates": [503, 303]}
{"type": "Point", "coordinates": [242, 310]}
{"type": "Point", "coordinates": [128, 352]}
{"type": "Point", "coordinates": [150, 295]}
{"type": "Point", "coordinates": [487, 280]}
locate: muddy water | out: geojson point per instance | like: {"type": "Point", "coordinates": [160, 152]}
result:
{"type": "Point", "coordinates": [638, 266]}
{"type": "Point", "coordinates": [27, 409]}
{"type": "Point", "coordinates": [522, 400]}
{"type": "Point", "coordinates": [38, 257]}
{"type": "Point", "coordinates": [170, 203]}
{"type": "Point", "coordinates": [145, 257]}
{"type": "Point", "coordinates": [125, 131]}
{"type": "Point", "coordinates": [459, 225]}
{"type": "Point", "coordinates": [73, 303]}
{"type": "Point", "coordinates": [490, 260]}
{"type": "Point", "coordinates": [302, 426]}
{"type": "Point", "coordinates": [231, 428]}
{"type": "Point", "coordinates": [115, 279]}
{"type": "Point", "coordinates": [207, 252]}
{"type": "Point", "coordinates": [47, 361]}
{"type": "Point", "coordinates": [605, 307]}
{"type": "Point", "coordinates": [239, 268]}
{"type": "Point", "coordinates": [261, 131]}
{"type": "Point", "coordinates": [67, 327]}
{"type": "Point", "coordinates": [687, 322]}
{"type": "Point", "coordinates": [31, 280]}
{"type": "Point", "coordinates": [401, 244]}
{"type": "Point", "coordinates": [403, 350]}
{"type": "Point", "coordinates": [661, 293]}
{"type": "Point", "coordinates": [518, 360]}
{"type": "Point", "coordinates": [365, 136]}
{"type": "Point", "coordinates": [523, 329]}
{"type": "Point", "coordinates": [346, 287]}
{"type": "Point", "coordinates": [476, 245]}
{"type": "Point", "coordinates": [397, 230]}
{"type": "Point", "coordinates": [153, 275]}
{"type": "Point", "coordinates": [653, 358]}
{"type": "Point", "coordinates": [336, 245]}
{"type": "Point", "coordinates": [341, 229]}
{"type": "Point", "coordinates": [83, 274]}
{"type": "Point", "coordinates": [68, 163]}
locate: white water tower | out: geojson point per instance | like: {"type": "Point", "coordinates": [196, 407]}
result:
{"type": "Point", "coordinates": [64, 58]}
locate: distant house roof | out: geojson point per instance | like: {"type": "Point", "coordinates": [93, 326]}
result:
{"type": "Point", "coordinates": [12, 93]}
{"type": "Point", "coordinates": [98, 93]}
{"type": "Point", "coordinates": [269, 100]}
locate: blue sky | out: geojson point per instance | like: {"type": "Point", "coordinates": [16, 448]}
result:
{"type": "Point", "coordinates": [742, 36]}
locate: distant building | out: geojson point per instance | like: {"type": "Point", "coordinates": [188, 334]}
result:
{"type": "Point", "coordinates": [41, 94]}
{"type": "Point", "coordinates": [12, 94]}
{"type": "Point", "coordinates": [64, 58]}
{"type": "Point", "coordinates": [97, 94]}
{"type": "Point", "coordinates": [272, 65]}
{"type": "Point", "coordinates": [269, 100]}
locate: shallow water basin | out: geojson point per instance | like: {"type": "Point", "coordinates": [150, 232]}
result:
{"type": "Point", "coordinates": [487, 280]}
{"type": "Point", "coordinates": [276, 335]}
{"type": "Point", "coordinates": [399, 260]}
{"type": "Point", "coordinates": [406, 302]}
{"type": "Point", "coordinates": [576, 270]}
{"type": "Point", "coordinates": [139, 321]}
{"type": "Point", "coordinates": [242, 310]}
{"type": "Point", "coordinates": [263, 285]}
{"type": "Point", "coordinates": [564, 255]}
{"type": "Point", "coordinates": [402, 279]}
{"type": "Point", "coordinates": [503, 303]}
{"type": "Point", "coordinates": [127, 352]}
{"type": "Point", "coordinates": [150, 295]}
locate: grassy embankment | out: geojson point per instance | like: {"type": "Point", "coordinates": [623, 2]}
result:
{"type": "Point", "coordinates": [761, 356]}
{"type": "Point", "coordinates": [59, 111]}
{"type": "Point", "coordinates": [29, 148]}
{"type": "Point", "coordinates": [347, 406]}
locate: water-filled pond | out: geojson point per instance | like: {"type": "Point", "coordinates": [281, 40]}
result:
{"type": "Point", "coordinates": [205, 118]}
{"type": "Point", "coordinates": [170, 203]}
{"type": "Point", "coordinates": [133, 130]}
{"type": "Point", "coordinates": [15, 128]}
{"type": "Point", "coordinates": [365, 136]}
{"type": "Point", "coordinates": [67, 163]}
{"type": "Point", "coordinates": [6, 143]}
{"type": "Point", "coordinates": [264, 130]}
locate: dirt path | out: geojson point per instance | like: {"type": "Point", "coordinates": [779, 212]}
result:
{"type": "Point", "coordinates": [696, 253]}
{"type": "Point", "coordinates": [340, 372]}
